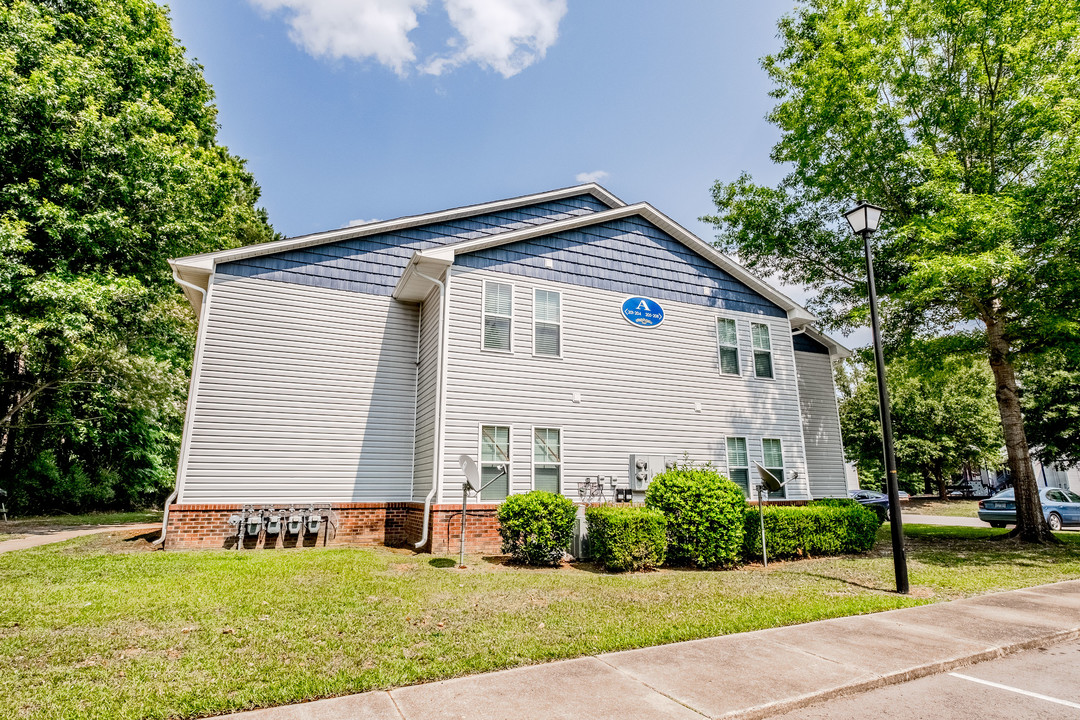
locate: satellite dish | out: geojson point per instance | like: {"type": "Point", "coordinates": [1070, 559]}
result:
{"type": "Point", "coordinates": [770, 481]}
{"type": "Point", "coordinates": [472, 475]}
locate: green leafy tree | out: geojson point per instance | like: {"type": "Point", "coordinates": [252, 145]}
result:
{"type": "Point", "coordinates": [1051, 400]}
{"type": "Point", "coordinates": [944, 417]}
{"type": "Point", "coordinates": [960, 118]}
{"type": "Point", "coordinates": [108, 166]}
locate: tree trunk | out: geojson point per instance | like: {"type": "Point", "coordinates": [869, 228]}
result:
{"type": "Point", "coordinates": [943, 491]}
{"type": "Point", "coordinates": [1030, 524]}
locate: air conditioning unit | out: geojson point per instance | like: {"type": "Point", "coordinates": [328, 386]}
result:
{"type": "Point", "coordinates": [643, 468]}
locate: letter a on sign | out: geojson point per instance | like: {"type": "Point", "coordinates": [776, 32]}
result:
{"type": "Point", "coordinates": [643, 306]}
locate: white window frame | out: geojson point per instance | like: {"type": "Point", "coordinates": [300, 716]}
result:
{"type": "Point", "coordinates": [532, 451]}
{"type": "Point", "coordinates": [738, 353]}
{"type": "Point", "coordinates": [509, 457]}
{"type": "Point", "coordinates": [754, 351]}
{"type": "Point", "coordinates": [537, 321]}
{"type": "Point", "coordinates": [783, 469]}
{"type": "Point", "coordinates": [484, 314]}
{"type": "Point", "coordinates": [727, 453]}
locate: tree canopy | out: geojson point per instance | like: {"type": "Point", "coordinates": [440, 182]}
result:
{"type": "Point", "coordinates": [960, 118]}
{"type": "Point", "coordinates": [944, 417]}
{"type": "Point", "coordinates": [109, 166]}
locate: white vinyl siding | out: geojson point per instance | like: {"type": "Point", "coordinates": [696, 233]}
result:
{"type": "Point", "coordinates": [547, 459]}
{"type": "Point", "coordinates": [738, 463]}
{"type": "Point", "coordinates": [763, 357]}
{"type": "Point", "coordinates": [727, 342]}
{"type": "Point", "coordinates": [772, 453]}
{"type": "Point", "coordinates": [821, 425]}
{"type": "Point", "coordinates": [638, 389]}
{"type": "Point", "coordinates": [427, 385]}
{"type": "Point", "coordinates": [547, 323]}
{"type": "Point", "coordinates": [306, 395]}
{"type": "Point", "coordinates": [494, 463]}
{"type": "Point", "coordinates": [498, 316]}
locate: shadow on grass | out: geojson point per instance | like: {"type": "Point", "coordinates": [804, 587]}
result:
{"type": "Point", "coordinates": [846, 581]}
{"type": "Point", "coordinates": [442, 562]}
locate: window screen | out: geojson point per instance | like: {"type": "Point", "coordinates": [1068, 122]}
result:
{"type": "Point", "coordinates": [738, 463]}
{"type": "Point", "coordinates": [547, 323]}
{"type": "Point", "coordinates": [498, 315]}
{"type": "Point", "coordinates": [547, 459]}
{"type": "Point", "coordinates": [727, 340]}
{"type": "Point", "coordinates": [763, 366]}
{"type": "Point", "coordinates": [494, 463]}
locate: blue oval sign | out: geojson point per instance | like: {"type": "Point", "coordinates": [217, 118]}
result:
{"type": "Point", "coordinates": [642, 312]}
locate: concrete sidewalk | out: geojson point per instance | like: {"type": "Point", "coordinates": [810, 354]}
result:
{"type": "Point", "coordinates": [34, 538]}
{"type": "Point", "coordinates": [749, 675]}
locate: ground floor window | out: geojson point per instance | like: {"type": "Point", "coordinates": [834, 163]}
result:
{"type": "Point", "coordinates": [772, 452]}
{"type": "Point", "coordinates": [494, 463]}
{"type": "Point", "coordinates": [547, 459]}
{"type": "Point", "coordinates": [738, 463]}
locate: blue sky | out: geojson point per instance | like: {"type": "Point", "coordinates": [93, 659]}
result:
{"type": "Point", "coordinates": [352, 110]}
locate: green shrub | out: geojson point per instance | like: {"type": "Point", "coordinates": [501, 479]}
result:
{"type": "Point", "coordinates": [627, 538]}
{"type": "Point", "coordinates": [536, 527]}
{"type": "Point", "coordinates": [879, 512]}
{"type": "Point", "coordinates": [705, 515]}
{"type": "Point", "coordinates": [812, 530]}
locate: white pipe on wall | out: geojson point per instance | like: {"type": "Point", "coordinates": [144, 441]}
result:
{"type": "Point", "coordinates": [440, 407]}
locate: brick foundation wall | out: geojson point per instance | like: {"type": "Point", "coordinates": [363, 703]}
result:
{"type": "Point", "coordinates": [206, 526]}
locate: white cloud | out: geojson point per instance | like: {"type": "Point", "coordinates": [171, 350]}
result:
{"type": "Point", "coordinates": [506, 36]}
{"type": "Point", "coordinates": [353, 29]}
{"type": "Point", "coordinates": [589, 177]}
{"type": "Point", "coordinates": [359, 221]}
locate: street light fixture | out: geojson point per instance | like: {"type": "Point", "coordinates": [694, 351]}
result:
{"type": "Point", "coordinates": [864, 221]}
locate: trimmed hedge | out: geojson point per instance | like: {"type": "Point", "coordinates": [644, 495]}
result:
{"type": "Point", "coordinates": [627, 538]}
{"type": "Point", "coordinates": [705, 515]}
{"type": "Point", "coordinates": [818, 529]}
{"type": "Point", "coordinates": [536, 527]}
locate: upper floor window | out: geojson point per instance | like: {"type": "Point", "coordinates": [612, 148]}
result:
{"type": "Point", "coordinates": [547, 323]}
{"type": "Point", "coordinates": [727, 340]}
{"type": "Point", "coordinates": [498, 315]}
{"type": "Point", "coordinates": [547, 459]}
{"type": "Point", "coordinates": [763, 365]}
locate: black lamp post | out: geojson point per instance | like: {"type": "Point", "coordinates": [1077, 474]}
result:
{"type": "Point", "coordinates": [864, 221]}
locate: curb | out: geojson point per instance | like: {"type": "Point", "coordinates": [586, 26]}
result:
{"type": "Point", "coordinates": [783, 706]}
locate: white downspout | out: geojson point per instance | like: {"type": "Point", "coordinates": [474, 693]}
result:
{"type": "Point", "coordinates": [192, 384]}
{"type": "Point", "coordinates": [440, 407]}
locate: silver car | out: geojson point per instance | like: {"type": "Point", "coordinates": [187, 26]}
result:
{"type": "Point", "coordinates": [1061, 508]}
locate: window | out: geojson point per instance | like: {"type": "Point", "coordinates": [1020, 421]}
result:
{"type": "Point", "coordinates": [738, 463]}
{"type": "Point", "coordinates": [494, 463]}
{"type": "Point", "coordinates": [727, 340]}
{"type": "Point", "coordinates": [772, 453]}
{"type": "Point", "coordinates": [762, 350]}
{"type": "Point", "coordinates": [547, 459]}
{"type": "Point", "coordinates": [498, 315]}
{"type": "Point", "coordinates": [547, 323]}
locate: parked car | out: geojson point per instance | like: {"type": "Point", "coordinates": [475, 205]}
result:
{"type": "Point", "coordinates": [1061, 508]}
{"type": "Point", "coordinates": [878, 502]}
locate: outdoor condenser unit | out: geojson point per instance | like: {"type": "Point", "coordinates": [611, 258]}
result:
{"type": "Point", "coordinates": [643, 468]}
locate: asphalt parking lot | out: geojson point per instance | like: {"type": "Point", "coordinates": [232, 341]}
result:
{"type": "Point", "coordinates": [1042, 683]}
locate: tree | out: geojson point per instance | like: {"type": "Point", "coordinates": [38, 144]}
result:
{"type": "Point", "coordinates": [960, 118]}
{"type": "Point", "coordinates": [944, 417]}
{"type": "Point", "coordinates": [108, 167]}
{"type": "Point", "coordinates": [1051, 384]}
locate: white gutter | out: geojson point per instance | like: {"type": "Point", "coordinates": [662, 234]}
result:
{"type": "Point", "coordinates": [440, 407]}
{"type": "Point", "coordinates": [415, 394]}
{"type": "Point", "coordinates": [193, 385]}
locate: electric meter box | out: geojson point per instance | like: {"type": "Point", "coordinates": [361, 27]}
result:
{"type": "Point", "coordinates": [643, 468]}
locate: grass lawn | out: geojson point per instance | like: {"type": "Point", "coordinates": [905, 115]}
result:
{"type": "Point", "coordinates": [9, 536]}
{"type": "Point", "coordinates": [949, 508]}
{"type": "Point", "coordinates": [40, 522]}
{"type": "Point", "coordinates": [102, 627]}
